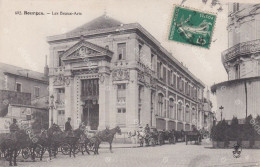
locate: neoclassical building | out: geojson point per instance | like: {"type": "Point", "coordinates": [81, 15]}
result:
{"type": "Point", "coordinates": [106, 73]}
{"type": "Point", "coordinates": [240, 95]}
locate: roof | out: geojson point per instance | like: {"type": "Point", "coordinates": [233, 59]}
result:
{"type": "Point", "coordinates": [8, 69]}
{"type": "Point", "coordinates": [102, 22]}
{"type": "Point", "coordinates": [100, 25]}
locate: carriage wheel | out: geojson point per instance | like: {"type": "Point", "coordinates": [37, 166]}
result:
{"type": "Point", "coordinates": [26, 153]}
{"type": "Point", "coordinates": [90, 147]}
{"type": "Point", "coordinates": [65, 148]}
{"type": "Point", "coordinates": [78, 148]}
{"type": "Point", "coordinates": [152, 142]}
{"type": "Point", "coordinates": [38, 150]}
{"type": "Point", "coordinates": [6, 155]}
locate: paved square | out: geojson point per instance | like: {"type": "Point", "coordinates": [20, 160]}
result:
{"type": "Point", "coordinates": [178, 155]}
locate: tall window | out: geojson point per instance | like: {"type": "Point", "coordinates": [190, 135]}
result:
{"type": "Point", "coordinates": [160, 104]}
{"type": "Point", "coordinates": [237, 71]}
{"type": "Point", "coordinates": [187, 116]}
{"type": "Point", "coordinates": [60, 63]}
{"type": "Point", "coordinates": [161, 70]}
{"type": "Point", "coordinates": [140, 46]}
{"type": "Point", "coordinates": [152, 61]}
{"type": "Point", "coordinates": [194, 115]}
{"type": "Point", "coordinates": [170, 77]}
{"type": "Point", "coordinates": [121, 92]}
{"type": "Point", "coordinates": [164, 74]}
{"type": "Point", "coordinates": [36, 91]}
{"type": "Point", "coordinates": [172, 109]}
{"type": "Point", "coordinates": [18, 87]}
{"type": "Point", "coordinates": [186, 88]}
{"type": "Point", "coordinates": [179, 107]}
{"type": "Point", "coordinates": [121, 117]}
{"type": "Point", "coordinates": [174, 80]}
{"type": "Point", "coordinates": [158, 69]}
{"type": "Point", "coordinates": [121, 51]}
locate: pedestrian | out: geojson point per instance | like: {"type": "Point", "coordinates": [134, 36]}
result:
{"type": "Point", "coordinates": [68, 127]}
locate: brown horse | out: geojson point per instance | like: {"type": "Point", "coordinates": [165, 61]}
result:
{"type": "Point", "coordinates": [106, 136]}
{"type": "Point", "coordinates": [14, 142]}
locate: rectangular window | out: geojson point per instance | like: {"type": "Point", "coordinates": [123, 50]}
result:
{"type": "Point", "coordinates": [164, 74]}
{"type": "Point", "coordinates": [152, 62]}
{"type": "Point", "coordinates": [60, 63]}
{"type": "Point", "coordinates": [121, 93]}
{"type": "Point", "coordinates": [121, 51]}
{"type": "Point", "coordinates": [158, 69]}
{"type": "Point", "coordinates": [170, 77]}
{"type": "Point", "coordinates": [140, 46]}
{"type": "Point", "coordinates": [161, 70]}
{"type": "Point", "coordinates": [121, 117]}
{"type": "Point", "coordinates": [36, 91]}
{"type": "Point", "coordinates": [237, 71]}
{"type": "Point", "coordinates": [174, 80]}
{"type": "Point", "coordinates": [18, 87]}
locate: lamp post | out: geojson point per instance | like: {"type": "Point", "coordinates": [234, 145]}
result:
{"type": "Point", "coordinates": [221, 108]}
{"type": "Point", "coordinates": [51, 107]}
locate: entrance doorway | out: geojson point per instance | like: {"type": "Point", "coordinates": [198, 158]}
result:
{"type": "Point", "coordinates": [90, 95]}
{"type": "Point", "coordinates": [91, 114]}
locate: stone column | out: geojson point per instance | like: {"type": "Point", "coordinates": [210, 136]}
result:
{"type": "Point", "coordinates": [104, 89]}
{"type": "Point", "coordinates": [132, 101]}
{"type": "Point", "coordinates": [69, 94]}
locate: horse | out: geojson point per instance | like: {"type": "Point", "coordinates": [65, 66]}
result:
{"type": "Point", "coordinates": [14, 142]}
{"type": "Point", "coordinates": [52, 144]}
{"type": "Point", "coordinates": [106, 136]}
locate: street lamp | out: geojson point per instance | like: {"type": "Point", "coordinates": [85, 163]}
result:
{"type": "Point", "coordinates": [221, 108]}
{"type": "Point", "coordinates": [52, 107]}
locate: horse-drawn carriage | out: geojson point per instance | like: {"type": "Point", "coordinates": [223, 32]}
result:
{"type": "Point", "coordinates": [193, 136]}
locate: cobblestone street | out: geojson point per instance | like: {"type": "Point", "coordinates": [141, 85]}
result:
{"type": "Point", "coordinates": [166, 155]}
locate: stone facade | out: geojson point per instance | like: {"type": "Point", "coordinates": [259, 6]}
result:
{"type": "Point", "coordinates": [106, 73]}
{"type": "Point", "coordinates": [240, 94]}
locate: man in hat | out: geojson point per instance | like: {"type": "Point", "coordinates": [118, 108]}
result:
{"type": "Point", "coordinates": [68, 128]}
{"type": "Point", "coordinates": [14, 127]}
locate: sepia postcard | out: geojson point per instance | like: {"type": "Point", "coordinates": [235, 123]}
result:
{"type": "Point", "coordinates": [130, 83]}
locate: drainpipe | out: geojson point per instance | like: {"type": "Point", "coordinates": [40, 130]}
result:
{"type": "Point", "coordinates": [246, 97]}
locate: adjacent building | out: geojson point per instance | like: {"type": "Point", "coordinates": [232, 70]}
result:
{"type": "Point", "coordinates": [106, 73]}
{"type": "Point", "coordinates": [22, 92]}
{"type": "Point", "coordinates": [240, 95]}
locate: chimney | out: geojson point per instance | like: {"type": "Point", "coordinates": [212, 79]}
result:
{"type": "Point", "coordinates": [46, 68]}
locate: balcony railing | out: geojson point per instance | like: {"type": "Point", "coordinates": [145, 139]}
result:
{"type": "Point", "coordinates": [241, 49]}
{"type": "Point", "coordinates": [57, 70]}
{"type": "Point", "coordinates": [145, 68]}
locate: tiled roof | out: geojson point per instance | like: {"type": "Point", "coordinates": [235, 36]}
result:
{"type": "Point", "coordinates": [10, 69]}
{"type": "Point", "coordinates": [102, 22]}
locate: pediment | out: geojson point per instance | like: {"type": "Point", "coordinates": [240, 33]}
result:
{"type": "Point", "coordinates": [85, 49]}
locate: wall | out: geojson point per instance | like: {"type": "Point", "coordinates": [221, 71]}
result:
{"type": "Point", "coordinates": [232, 98]}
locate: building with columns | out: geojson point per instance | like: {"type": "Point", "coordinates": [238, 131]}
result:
{"type": "Point", "coordinates": [240, 95]}
{"type": "Point", "coordinates": [106, 73]}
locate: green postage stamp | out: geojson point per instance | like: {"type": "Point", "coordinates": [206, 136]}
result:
{"type": "Point", "coordinates": [192, 27]}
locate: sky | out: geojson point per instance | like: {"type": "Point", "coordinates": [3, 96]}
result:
{"type": "Point", "coordinates": [23, 37]}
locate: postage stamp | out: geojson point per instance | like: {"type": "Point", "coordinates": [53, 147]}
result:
{"type": "Point", "coordinates": [192, 27]}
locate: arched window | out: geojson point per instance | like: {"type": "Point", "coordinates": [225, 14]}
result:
{"type": "Point", "coordinates": [187, 113]}
{"type": "Point", "coordinates": [172, 109]}
{"type": "Point", "coordinates": [194, 115]}
{"type": "Point", "coordinates": [180, 110]}
{"type": "Point", "coordinates": [160, 104]}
